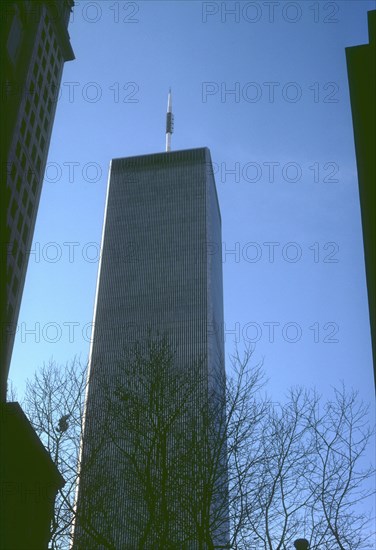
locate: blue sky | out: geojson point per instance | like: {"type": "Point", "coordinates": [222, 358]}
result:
{"type": "Point", "coordinates": [265, 91]}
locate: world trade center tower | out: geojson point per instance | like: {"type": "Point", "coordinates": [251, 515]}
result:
{"type": "Point", "coordinates": [160, 273]}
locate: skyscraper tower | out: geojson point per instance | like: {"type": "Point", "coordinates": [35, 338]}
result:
{"type": "Point", "coordinates": [160, 272]}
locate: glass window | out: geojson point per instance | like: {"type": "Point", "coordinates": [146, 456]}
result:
{"type": "Point", "coordinates": [20, 259]}
{"type": "Point", "coordinates": [13, 171]}
{"type": "Point", "coordinates": [15, 284]}
{"type": "Point", "coordinates": [54, 92]}
{"type": "Point", "coordinates": [14, 38]}
{"type": "Point", "coordinates": [13, 208]}
{"type": "Point", "coordinates": [8, 231]}
{"type": "Point", "coordinates": [20, 221]}
{"type": "Point", "coordinates": [25, 233]}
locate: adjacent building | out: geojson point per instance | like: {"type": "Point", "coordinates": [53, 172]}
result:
{"type": "Point", "coordinates": [29, 481]}
{"type": "Point", "coordinates": [35, 46]}
{"type": "Point", "coordinates": [361, 68]}
{"type": "Point", "coordinates": [160, 273]}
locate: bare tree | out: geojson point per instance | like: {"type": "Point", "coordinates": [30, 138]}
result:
{"type": "Point", "coordinates": [223, 468]}
{"type": "Point", "coordinates": [275, 489]}
{"type": "Point", "coordinates": [341, 481]}
{"type": "Point", "coordinates": [310, 479]}
{"type": "Point", "coordinates": [167, 432]}
{"type": "Point", "coordinates": [53, 402]}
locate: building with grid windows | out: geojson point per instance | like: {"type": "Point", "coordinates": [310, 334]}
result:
{"type": "Point", "coordinates": [160, 273]}
{"type": "Point", "coordinates": [35, 45]}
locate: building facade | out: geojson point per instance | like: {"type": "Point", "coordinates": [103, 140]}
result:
{"type": "Point", "coordinates": [361, 71]}
{"type": "Point", "coordinates": [160, 273]}
{"type": "Point", "coordinates": [35, 46]}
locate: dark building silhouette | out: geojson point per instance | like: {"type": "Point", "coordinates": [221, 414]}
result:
{"type": "Point", "coordinates": [29, 481]}
{"type": "Point", "coordinates": [361, 68]}
{"type": "Point", "coordinates": [34, 46]}
{"type": "Point", "coordinates": [160, 270]}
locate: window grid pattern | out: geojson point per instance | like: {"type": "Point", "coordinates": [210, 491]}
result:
{"type": "Point", "coordinates": [156, 277]}
{"type": "Point", "coordinates": [28, 154]}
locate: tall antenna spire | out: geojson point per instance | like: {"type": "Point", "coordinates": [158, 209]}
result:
{"type": "Point", "coordinates": [169, 121]}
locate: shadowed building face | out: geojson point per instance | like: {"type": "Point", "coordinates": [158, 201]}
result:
{"type": "Point", "coordinates": [35, 44]}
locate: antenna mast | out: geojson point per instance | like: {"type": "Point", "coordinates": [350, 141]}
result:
{"type": "Point", "coordinates": [169, 121]}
